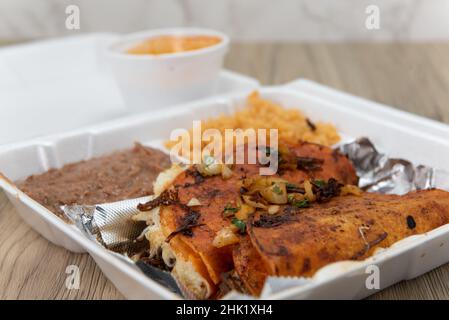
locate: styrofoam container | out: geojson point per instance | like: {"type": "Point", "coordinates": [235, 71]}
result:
{"type": "Point", "coordinates": [156, 81]}
{"type": "Point", "coordinates": [66, 83]}
{"type": "Point", "coordinates": [397, 134]}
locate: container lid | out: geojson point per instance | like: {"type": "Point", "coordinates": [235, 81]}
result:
{"type": "Point", "coordinates": [53, 86]}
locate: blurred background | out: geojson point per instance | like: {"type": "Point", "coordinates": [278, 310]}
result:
{"type": "Point", "coordinates": [391, 51]}
{"type": "Point", "coordinates": [243, 20]}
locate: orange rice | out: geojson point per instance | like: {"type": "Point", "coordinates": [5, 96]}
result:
{"type": "Point", "coordinates": [293, 126]}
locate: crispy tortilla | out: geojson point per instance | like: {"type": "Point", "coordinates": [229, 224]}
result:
{"type": "Point", "coordinates": [214, 193]}
{"type": "Point", "coordinates": [345, 228]}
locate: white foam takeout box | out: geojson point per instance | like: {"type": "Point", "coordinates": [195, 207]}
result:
{"type": "Point", "coordinates": [394, 132]}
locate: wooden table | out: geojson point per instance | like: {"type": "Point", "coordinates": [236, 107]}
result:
{"type": "Point", "coordinates": [413, 77]}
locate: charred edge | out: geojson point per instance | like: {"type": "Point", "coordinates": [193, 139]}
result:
{"type": "Point", "coordinates": [271, 221]}
{"type": "Point", "coordinates": [187, 223]}
{"type": "Point", "coordinates": [336, 154]}
{"type": "Point", "coordinates": [291, 188]}
{"type": "Point", "coordinates": [230, 281]}
{"type": "Point", "coordinates": [411, 224]}
{"type": "Point", "coordinates": [306, 265]}
{"type": "Point", "coordinates": [243, 190]}
{"type": "Point", "coordinates": [327, 190]}
{"type": "Point", "coordinates": [311, 125]}
{"type": "Point", "coordinates": [309, 164]}
{"type": "Point", "coordinates": [165, 198]}
{"type": "Point", "coordinates": [195, 175]}
{"type": "Point", "coordinates": [156, 262]}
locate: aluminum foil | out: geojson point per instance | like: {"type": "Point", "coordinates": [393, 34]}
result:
{"type": "Point", "coordinates": [379, 173]}
{"type": "Point", "coordinates": [111, 224]}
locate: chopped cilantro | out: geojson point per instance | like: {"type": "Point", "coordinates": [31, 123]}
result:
{"type": "Point", "coordinates": [277, 190]}
{"type": "Point", "coordinates": [240, 224]}
{"type": "Point", "coordinates": [301, 204]}
{"type": "Point", "coordinates": [319, 183]}
{"type": "Point", "coordinates": [229, 210]}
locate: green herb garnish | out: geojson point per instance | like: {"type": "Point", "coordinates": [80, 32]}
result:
{"type": "Point", "coordinates": [319, 183]}
{"type": "Point", "coordinates": [229, 210]}
{"type": "Point", "coordinates": [301, 204]}
{"type": "Point", "coordinates": [277, 190]}
{"type": "Point", "coordinates": [240, 224]}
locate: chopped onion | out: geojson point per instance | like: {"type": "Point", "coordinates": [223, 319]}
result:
{"type": "Point", "coordinates": [292, 197]}
{"type": "Point", "coordinates": [253, 203]}
{"type": "Point", "coordinates": [226, 172]}
{"type": "Point", "coordinates": [209, 167]}
{"type": "Point", "coordinates": [273, 209]}
{"type": "Point", "coordinates": [350, 189]}
{"type": "Point", "coordinates": [275, 193]}
{"type": "Point", "coordinates": [142, 216]}
{"type": "Point", "coordinates": [239, 202]}
{"type": "Point", "coordinates": [260, 183]}
{"type": "Point", "coordinates": [309, 192]}
{"type": "Point", "coordinates": [225, 237]}
{"type": "Point", "coordinates": [194, 202]}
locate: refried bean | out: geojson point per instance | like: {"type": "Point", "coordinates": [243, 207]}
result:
{"type": "Point", "coordinates": [121, 175]}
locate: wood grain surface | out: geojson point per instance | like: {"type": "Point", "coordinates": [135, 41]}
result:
{"type": "Point", "coordinates": [413, 77]}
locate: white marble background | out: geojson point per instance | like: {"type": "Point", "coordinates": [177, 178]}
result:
{"type": "Point", "coordinates": [248, 20]}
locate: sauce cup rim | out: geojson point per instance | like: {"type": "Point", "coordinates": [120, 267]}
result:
{"type": "Point", "coordinates": [117, 48]}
